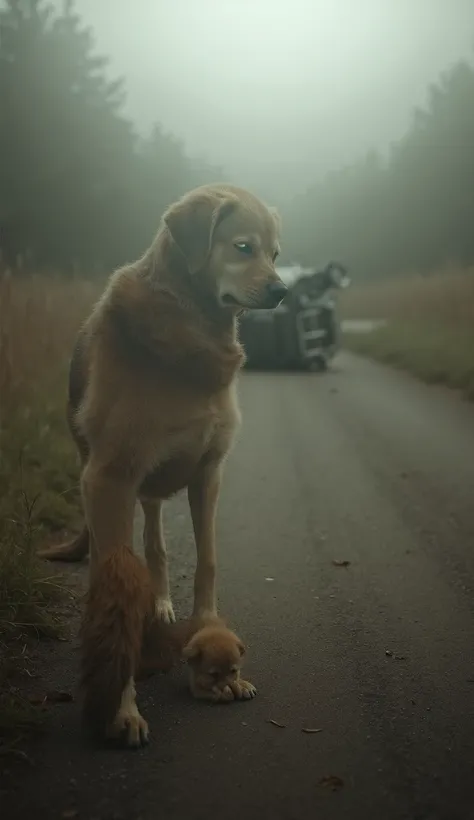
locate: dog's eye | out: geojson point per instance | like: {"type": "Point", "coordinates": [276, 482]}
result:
{"type": "Point", "coordinates": [243, 247]}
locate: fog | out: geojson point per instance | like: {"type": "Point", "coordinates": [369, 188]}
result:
{"type": "Point", "coordinates": [277, 92]}
{"type": "Point", "coordinates": [288, 98]}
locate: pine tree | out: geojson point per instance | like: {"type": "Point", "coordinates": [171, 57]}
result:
{"type": "Point", "coordinates": [77, 186]}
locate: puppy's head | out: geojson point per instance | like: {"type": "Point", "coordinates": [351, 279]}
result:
{"type": "Point", "coordinates": [215, 656]}
{"type": "Point", "coordinates": [230, 241]}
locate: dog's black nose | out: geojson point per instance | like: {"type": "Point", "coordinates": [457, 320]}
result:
{"type": "Point", "coordinates": [276, 291]}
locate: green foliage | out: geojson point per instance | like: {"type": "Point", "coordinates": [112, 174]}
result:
{"type": "Point", "coordinates": [78, 188]}
{"type": "Point", "coordinates": [39, 495]}
{"type": "Point", "coordinates": [410, 211]}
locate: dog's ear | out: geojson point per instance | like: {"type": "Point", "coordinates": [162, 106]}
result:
{"type": "Point", "coordinates": [241, 647]}
{"type": "Point", "coordinates": [277, 218]}
{"type": "Point", "coordinates": [192, 221]}
{"type": "Point", "coordinates": [191, 652]}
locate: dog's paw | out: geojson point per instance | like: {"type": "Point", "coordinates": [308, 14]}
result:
{"type": "Point", "coordinates": [224, 695]}
{"type": "Point", "coordinates": [243, 690]}
{"type": "Point", "coordinates": [164, 610]}
{"type": "Point", "coordinates": [213, 694]}
{"type": "Point", "coordinates": [130, 728]}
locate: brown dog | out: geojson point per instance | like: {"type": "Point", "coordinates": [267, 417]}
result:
{"type": "Point", "coordinates": [214, 656]}
{"type": "Point", "coordinates": [212, 651]}
{"type": "Point", "coordinates": [152, 408]}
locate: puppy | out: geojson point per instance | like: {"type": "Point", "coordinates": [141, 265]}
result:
{"type": "Point", "coordinates": [213, 654]}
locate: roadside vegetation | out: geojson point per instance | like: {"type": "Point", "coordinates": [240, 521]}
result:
{"type": "Point", "coordinates": [38, 470]}
{"type": "Point", "coordinates": [429, 326]}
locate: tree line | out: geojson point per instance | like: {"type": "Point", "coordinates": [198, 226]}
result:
{"type": "Point", "coordinates": [79, 188]}
{"type": "Point", "coordinates": [410, 210]}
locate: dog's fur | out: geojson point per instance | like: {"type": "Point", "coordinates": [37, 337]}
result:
{"type": "Point", "coordinates": [152, 408]}
{"type": "Point", "coordinates": [212, 651]}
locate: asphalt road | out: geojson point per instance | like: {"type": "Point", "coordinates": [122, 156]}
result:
{"type": "Point", "coordinates": [363, 465]}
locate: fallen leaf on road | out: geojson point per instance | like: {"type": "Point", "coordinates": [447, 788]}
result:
{"type": "Point", "coordinates": [399, 657]}
{"type": "Point", "coordinates": [341, 563]}
{"type": "Point", "coordinates": [59, 697]}
{"type": "Point", "coordinates": [311, 731]}
{"type": "Point", "coordinates": [269, 579]}
{"type": "Point", "coordinates": [389, 653]}
{"type": "Point", "coordinates": [332, 781]}
{"type": "Point", "coordinates": [275, 723]}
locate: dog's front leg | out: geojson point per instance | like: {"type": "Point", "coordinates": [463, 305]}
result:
{"type": "Point", "coordinates": [117, 607]}
{"type": "Point", "coordinates": [203, 494]}
{"type": "Point", "coordinates": [156, 557]}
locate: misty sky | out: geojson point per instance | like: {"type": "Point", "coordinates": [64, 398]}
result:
{"type": "Point", "coordinates": [256, 85]}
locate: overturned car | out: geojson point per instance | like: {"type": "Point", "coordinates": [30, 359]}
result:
{"type": "Point", "coordinates": [303, 332]}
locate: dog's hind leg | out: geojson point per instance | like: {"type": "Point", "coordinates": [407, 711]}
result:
{"type": "Point", "coordinates": [119, 604]}
{"type": "Point", "coordinates": [71, 551]}
{"type": "Point", "coordinates": [203, 495]}
{"type": "Point", "coordinates": [128, 721]}
{"type": "Point", "coordinates": [109, 506]}
{"type": "Point", "coordinates": [78, 548]}
{"type": "Point", "coordinates": [156, 557]}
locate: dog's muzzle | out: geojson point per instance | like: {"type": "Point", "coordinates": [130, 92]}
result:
{"type": "Point", "coordinates": [275, 292]}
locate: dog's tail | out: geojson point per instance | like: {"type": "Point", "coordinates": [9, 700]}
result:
{"type": "Point", "coordinates": [119, 603]}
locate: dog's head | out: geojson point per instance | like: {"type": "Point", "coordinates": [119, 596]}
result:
{"type": "Point", "coordinates": [215, 656]}
{"type": "Point", "coordinates": [230, 240]}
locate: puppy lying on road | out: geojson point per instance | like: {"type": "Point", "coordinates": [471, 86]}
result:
{"type": "Point", "coordinates": [213, 654]}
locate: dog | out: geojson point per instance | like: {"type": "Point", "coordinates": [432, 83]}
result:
{"type": "Point", "coordinates": [153, 410]}
{"type": "Point", "coordinates": [213, 654]}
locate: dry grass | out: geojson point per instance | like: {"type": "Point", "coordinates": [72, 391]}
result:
{"type": "Point", "coordinates": [444, 298]}
{"type": "Point", "coordinates": [39, 317]}
{"type": "Point", "coordinates": [430, 327]}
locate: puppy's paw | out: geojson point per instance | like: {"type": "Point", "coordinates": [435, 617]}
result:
{"type": "Point", "coordinates": [224, 695]}
{"type": "Point", "coordinates": [164, 610]}
{"type": "Point", "coordinates": [213, 694]}
{"type": "Point", "coordinates": [243, 690]}
{"type": "Point", "coordinates": [130, 727]}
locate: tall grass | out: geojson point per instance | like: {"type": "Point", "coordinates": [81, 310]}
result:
{"type": "Point", "coordinates": [430, 325]}
{"type": "Point", "coordinates": [39, 317]}
{"type": "Point", "coordinates": [445, 298]}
